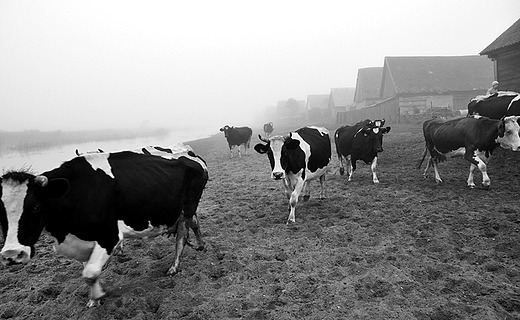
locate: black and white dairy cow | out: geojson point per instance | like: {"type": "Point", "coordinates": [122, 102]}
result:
{"type": "Point", "coordinates": [296, 159]}
{"type": "Point", "coordinates": [496, 106]}
{"type": "Point", "coordinates": [472, 137]}
{"type": "Point", "coordinates": [90, 203]}
{"type": "Point", "coordinates": [237, 136]}
{"type": "Point", "coordinates": [268, 129]}
{"type": "Point", "coordinates": [362, 141]}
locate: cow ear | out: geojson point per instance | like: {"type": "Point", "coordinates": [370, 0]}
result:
{"type": "Point", "coordinates": [387, 129]}
{"type": "Point", "coordinates": [292, 144]}
{"type": "Point", "coordinates": [261, 148]}
{"type": "Point", "coordinates": [56, 188]}
{"type": "Point", "coordinates": [501, 128]}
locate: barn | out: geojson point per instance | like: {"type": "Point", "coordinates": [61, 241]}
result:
{"type": "Point", "coordinates": [505, 54]}
{"type": "Point", "coordinates": [413, 88]}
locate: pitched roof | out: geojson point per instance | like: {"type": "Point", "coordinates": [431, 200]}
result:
{"type": "Point", "coordinates": [369, 83]}
{"type": "Point", "coordinates": [510, 37]}
{"type": "Point", "coordinates": [342, 97]}
{"type": "Point", "coordinates": [318, 101]}
{"type": "Point", "coordinates": [439, 74]}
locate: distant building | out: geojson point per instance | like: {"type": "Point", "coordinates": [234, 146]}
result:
{"type": "Point", "coordinates": [318, 108]}
{"type": "Point", "coordinates": [368, 87]}
{"type": "Point", "coordinates": [417, 87]}
{"type": "Point", "coordinates": [288, 115]}
{"type": "Point", "coordinates": [505, 54]}
{"type": "Point", "coordinates": [341, 100]}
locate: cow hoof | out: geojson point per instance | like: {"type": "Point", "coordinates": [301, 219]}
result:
{"type": "Point", "coordinates": [172, 271]}
{"type": "Point", "coordinates": [306, 198]}
{"type": "Point", "coordinates": [341, 171]}
{"type": "Point", "coordinates": [93, 303]}
{"type": "Point", "coordinates": [485, 187]}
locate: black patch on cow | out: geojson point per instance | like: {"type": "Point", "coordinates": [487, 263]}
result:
{"type": "Point", "coordinates": [163, 149]}
{"type": "Point", "coordinates": [495, 107]}
{"type": "Point", "coordinates": [320, 147]}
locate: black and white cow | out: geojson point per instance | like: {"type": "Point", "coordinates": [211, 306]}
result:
{"type": "Point", "coordinates": [496, 106]}
{"type": "Point", "coordinates": [268, 129]}
{"type": "Point", "coordinates": [473, 137]}
{"type": "Point", "coordinates": [362, 141]}
{"type": "Point", "coordinates": [237, 136]}
{"type": "Point", "coordinates": [90, 203]}
{"type": "Point", "coordinates": [296, 159]}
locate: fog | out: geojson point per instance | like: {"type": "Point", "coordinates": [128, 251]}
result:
{"type": "Point", "coordinates": [75, 65]}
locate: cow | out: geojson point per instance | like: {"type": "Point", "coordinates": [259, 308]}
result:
{"type": "Point", "coordinates": [91, 202]}
{"type": "Point", "coordinates": [496, 106]}
{"type": "Point", "coordinates": [362, 141]}
{"type": "Point", "coordinates": [176, 151]}
{"type": "Point", "coordinates": [237, 136]}
{"type": "Point", "coordinates": [472, 137]}
{"type": "Point", "coordinates": [296, 159]}
{"type": "Point", "coordinates": [268, 129]}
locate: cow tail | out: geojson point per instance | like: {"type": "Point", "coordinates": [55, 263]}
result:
{"type": "Point", "coordinates": [422, 159]}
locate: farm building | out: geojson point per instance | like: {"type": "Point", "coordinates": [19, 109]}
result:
{"type": "Point", "coordinates": [368, 87]}
{"type": "Point", "coordinates": [505, 54]}
{"type": "Point", "coordinates": [341, 100]}
{"type": "Point", "coordinates": [291, 111]}
{"type": "Point", "coordinates": [413, 88]}
{"type": "Point", "coordinates": [318, 107]}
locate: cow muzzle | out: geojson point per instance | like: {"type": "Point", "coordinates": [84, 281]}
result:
{"type": "Point", "coordinates": [278, 175]}
{"type": "Point", "coordinates": [9, 257]}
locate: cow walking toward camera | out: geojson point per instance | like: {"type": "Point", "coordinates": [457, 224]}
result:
{"type": "Point", "coordinates": [237, 136]}
{"type": "Point", "coordinates": [268, 129]}
{"type": "Point", "coordinates": [472, 137]}
{"type": "Point", "coordinates": [362, 141]}
{"type": "Point", "coordinates": [90, 203]}
{"type": "Point", "coordinates": [296, 159]}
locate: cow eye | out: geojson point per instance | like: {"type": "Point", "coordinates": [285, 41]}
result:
{"type": "Point", "coordinates": [508, 132]}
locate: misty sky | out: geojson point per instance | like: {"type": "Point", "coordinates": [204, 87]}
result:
{"type": "Point", "coordinates": [124, 64]}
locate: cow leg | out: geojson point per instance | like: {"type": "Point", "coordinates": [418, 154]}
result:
{"type": "Point", "coordinates": [471, 183]}
{"type": "Point", "coordinates": [322, 181]}
{"type": "Point", "coordinates": [436, 170]}
{"type": "Point", "coordinates": [482, 160]}
{"type": "Point", "coordinates": [195, 227]}
{"type": "Point", "coordinates": [306, 191]}
{"type": "Point", "coordinates": [294, 200]}
{"type": "Point", "coordinates": [430, 161]}
{"type": "Point", "coordinates": [352, 168]}
{"type": "Point", "coordinates": [373, 167]}
{"type": "Point", "coordinates": [238, 151]}
{"type": "Point", "coordinates": [91, 272]}
{"type": "Point", "coordinates": [180, 243]}
{"type": "Point", "coordinates": [341, 166]}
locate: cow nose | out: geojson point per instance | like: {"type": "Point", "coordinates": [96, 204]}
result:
{"type": "Point", "coordinates": [277, 175]}
{"type": "Point", "coordinates": [14, 257]}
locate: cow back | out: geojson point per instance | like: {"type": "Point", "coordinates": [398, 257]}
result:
{"type": "Point", "coordinates": [495, 107]}
{"type": "Point", "coordinates": [320, 148]}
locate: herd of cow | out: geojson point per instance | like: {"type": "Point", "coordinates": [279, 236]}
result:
{"type": "Point", "coordinates": [91, 203]}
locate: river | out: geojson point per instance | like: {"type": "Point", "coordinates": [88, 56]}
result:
{"type": "Point", "coordinates": [44, 160]}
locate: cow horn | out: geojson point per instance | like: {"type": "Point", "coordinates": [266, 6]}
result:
{"type": "Point", "coordinates": [41, 180]}
{"type": "Point", "coordinates": [263, 139]}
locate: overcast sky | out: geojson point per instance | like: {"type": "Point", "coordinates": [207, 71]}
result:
{"type": "Point", "coordinates": [124, 64]}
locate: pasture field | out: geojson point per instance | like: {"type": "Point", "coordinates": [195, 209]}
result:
{"type": "Point", "coordinates": [407, 248]}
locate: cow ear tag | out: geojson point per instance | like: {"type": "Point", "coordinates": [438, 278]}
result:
{"type": "Point", "coordinates": [56, 188]}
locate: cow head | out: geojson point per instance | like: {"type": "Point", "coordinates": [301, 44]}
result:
{"type": "Point", "coordinates": [509, 133]}
{"type": "Point", "coordinates": [225, 129]}
{"type": "Point", "coordinates": [277, 148]}
{"type": "Point", "coordinates": [22, 207]}
{"type": "Point", "coordinates": [374, 134]}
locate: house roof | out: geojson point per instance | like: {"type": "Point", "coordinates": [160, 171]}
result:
{"type": "Point", "coordinates": [439, 74]}
{"type": "Point", "coordinates": [342, 97]}
{"type": "Point", "coordinates": [368, 83]}
{"type": "Point", "coordinates": [510, 37]}
{"type": "Point", "coordinates": [317, 101]}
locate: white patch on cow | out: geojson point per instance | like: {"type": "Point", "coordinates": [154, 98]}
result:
{"type": "Point", "coordinates": [513, 101]}
{"type": "Point", "coordinates": [323, 131]}
{"type": "Point", "coordinates": [75, 248]}
{"type": "Point", "coordinates": [13, 196]}
{"type": "Point", "coordinates": [511, 138]}
{"type": "Point", "coordinates": [375, 130]}
{"type": "Point", "coordinates": [150, 232]}
{"type": "Point", "coordinates": [100, 161]}
{"type": "Point", "coordinates": [276, 144]}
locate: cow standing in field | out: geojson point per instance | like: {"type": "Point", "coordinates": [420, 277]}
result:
{"type": "Point", "coordinates": [473, 137]}
{"type": "Point", "coordinates": [296, 159]}
{"type": "Point", "coordinates": [90, 203]}
{"type": "Point", "coordinates": [268, 129]}
{"type": "Point", "coordinates": [504, 103]}
{"type": "Point", "coordinates": [362, 141]}
{"type": "Point", "coordinates": [237, 136]}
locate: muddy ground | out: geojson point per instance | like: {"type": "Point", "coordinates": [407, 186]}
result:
{"type": "Point", "coordinates": [407, 248]}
